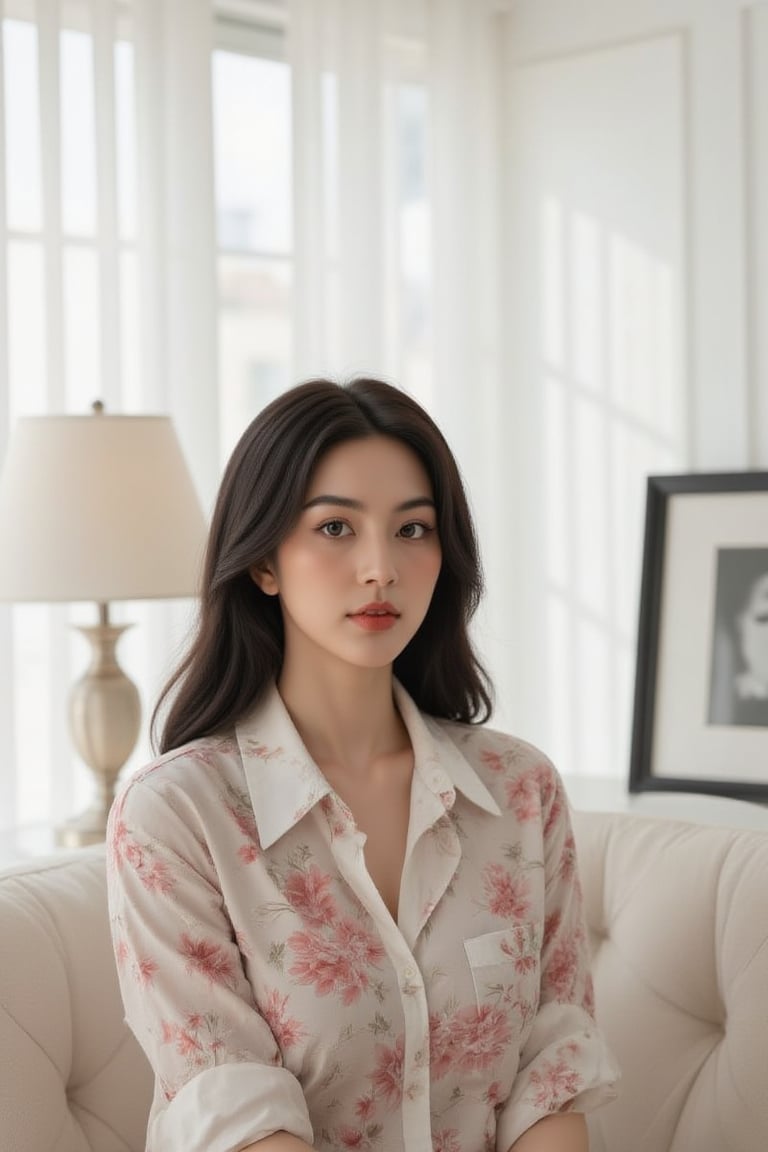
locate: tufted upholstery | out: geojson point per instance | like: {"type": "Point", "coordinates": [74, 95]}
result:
{"type": "Point", "coordinates": [679, 921]}
{"type": "Point", "coordinates": [678, 916]}
{"type": "Point", "coordinates": [72, 1078]}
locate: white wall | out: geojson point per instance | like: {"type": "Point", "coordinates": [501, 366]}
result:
{"type": "Point", "coordinates": [636, 327]}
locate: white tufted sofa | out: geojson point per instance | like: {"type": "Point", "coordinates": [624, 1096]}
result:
{"type": "Point", "coordinates": [678, 915]}
{"type": "Point", "coordinates": [679, 920]}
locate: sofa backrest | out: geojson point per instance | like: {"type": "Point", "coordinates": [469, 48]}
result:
{"type": "Point", "coordinates": [72, 1076]}
{"type": "Point", "coordinates": [678, 916]}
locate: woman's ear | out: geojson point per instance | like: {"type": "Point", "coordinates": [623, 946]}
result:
{"type": "Point", "coordinates": [265, 578]}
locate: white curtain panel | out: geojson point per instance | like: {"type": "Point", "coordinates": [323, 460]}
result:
{"type": "Point", "coordinates": [336, 50]}
{"type": "Point", "coordinates": [174, 42]}
{"type": "Point", "coordinates": [152, 332]}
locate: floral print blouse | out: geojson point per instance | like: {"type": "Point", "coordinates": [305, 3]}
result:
{"type": "Point", "coordinates": [272, 990]}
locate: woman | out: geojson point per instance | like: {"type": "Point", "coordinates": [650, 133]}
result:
{"type": "Point", "coordinates": [345, 915]}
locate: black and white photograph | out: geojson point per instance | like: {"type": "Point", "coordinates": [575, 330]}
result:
{"type": "Point", "coordinates": [739, 679]}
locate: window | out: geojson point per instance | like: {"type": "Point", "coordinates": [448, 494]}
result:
{"type": "Point", "coordinates": [252, 145]}
{"type": "Point", "coordinates": [254, 203]}
{"type": "Point", "coordinates": [55, 239]}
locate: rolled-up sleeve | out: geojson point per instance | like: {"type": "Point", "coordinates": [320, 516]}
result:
{"type": "Point", "coordinates": [219, 1079]}
{"type": "Point", "coordinates": [565, 1064]}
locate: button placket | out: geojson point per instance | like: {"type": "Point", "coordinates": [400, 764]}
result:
{"type": "Point", "coordinates": [417, 1129]}
{"type": "Point", "coordinates": [348, 852]}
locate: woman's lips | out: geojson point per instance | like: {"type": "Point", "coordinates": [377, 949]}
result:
{"type": "Point", "coordinates": [371, 622]}
{"type": "Point", "coordinates": [376, 617]}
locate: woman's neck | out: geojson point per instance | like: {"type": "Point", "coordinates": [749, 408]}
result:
{"type": "Point", "coordinates": [346, 717]}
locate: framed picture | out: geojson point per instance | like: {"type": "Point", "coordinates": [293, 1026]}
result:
{"type": "Point", "coordinates": [701, 688]}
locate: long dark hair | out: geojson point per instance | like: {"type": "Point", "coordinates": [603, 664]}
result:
{"type": "Point", "coordinates": [237, 649]}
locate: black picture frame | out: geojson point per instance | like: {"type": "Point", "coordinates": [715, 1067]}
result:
{"type": "Point", "coordinates": [699, 722]}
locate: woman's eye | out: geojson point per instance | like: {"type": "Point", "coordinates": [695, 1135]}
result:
{"type": "Point", "coordinates": [335, 529]}
{"type": "Point", "coordinates": [414, 530]}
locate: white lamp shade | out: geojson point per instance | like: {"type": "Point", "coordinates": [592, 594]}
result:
{"type": "Point", "coordinates": [98, 508]}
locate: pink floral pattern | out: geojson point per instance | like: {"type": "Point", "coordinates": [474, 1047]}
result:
{"type": "Point", "coordinates": [197, 1039]}
{"type": "Point", "coordinates": [207, 958]}
{"type": "Point", "coordinates": [556, 1081]}
{"type": "Point", "coordinates": [146, 969]}
{"type": "Point", "coordinates": [567, 867]}
{"type": "Point", "coordinates": [446, 1140]}
{"type": "Point", "coordinates": [337, 815]}
{"type": "Point", "coordinates": [552, 925]}
{"type": "Point", "coordinates": [507, 896]}
{"type": "Point", "coordinates": [493, 760]}
{"type": "Point", "coordinates": [337, 964]}
{"type": "Point", "coordinates": [387, 1076]}
{"type": "Point", "coordinates": [210, 751]}
{"type": "Point", "coordinates": [524, 959]}
{"type": "Point", "coordinates": [532, 794]}
{"type": "Point", "coordinates": [563, 971]}
{"type": "Point", "coordinates": [128, 852]}
{"type": "Point", "coordinates": [287, 1030]}
{"type": "Point", "coordinates": [493, 1095]}
{"type": "Point", "coordinates": [239, 808]}
{"type": "Point", "coordinates": [523, 797]}
{"type": "Point", "coordinates": [247, 933]}
{"type": "Point", "coordinates": [365, 1106]}
{"type": "Point", "coordinates": [310, 894]}
{"type": "Point", "coordinates": [351, 1137]}
{"type": "Point", "coordinates": [468, 1040]}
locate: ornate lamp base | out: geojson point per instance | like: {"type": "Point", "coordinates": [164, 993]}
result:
{"type": "Point", "coordinates": [105, 717]}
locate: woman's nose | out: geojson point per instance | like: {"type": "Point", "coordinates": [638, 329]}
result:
{"type": "Point", "coordinates": [377, 563]}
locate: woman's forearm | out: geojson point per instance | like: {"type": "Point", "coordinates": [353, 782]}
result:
{"type": "Point", "coordinates": [563, 1132]}
{"type": "Point", "coordinates": [279, 1142]}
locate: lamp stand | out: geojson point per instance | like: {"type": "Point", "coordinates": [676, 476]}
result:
{"type": "Point", "coordinates": [105, 718]}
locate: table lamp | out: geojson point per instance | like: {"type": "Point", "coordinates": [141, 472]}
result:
{"type": "Point", "coordinates": [100, 508]}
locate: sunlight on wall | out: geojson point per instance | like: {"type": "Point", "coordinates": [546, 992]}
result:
{"type": "Point", "coordinates": [610, 371]}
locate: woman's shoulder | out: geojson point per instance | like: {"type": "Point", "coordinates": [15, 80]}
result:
{"type": "Point", "coordinates": [491, 749]}
{"type": "Point", "coordinates": [193, 769]}
{"type": "Point", "coordinates": [513, 769]}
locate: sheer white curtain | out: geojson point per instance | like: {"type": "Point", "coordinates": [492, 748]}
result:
{"type": "Point", "coordinates": [398, 268]}
{"type": "Point", "coordinates": [107, 289]}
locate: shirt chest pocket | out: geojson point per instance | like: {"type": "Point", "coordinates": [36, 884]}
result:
{"type": "Point", "coordinates": [505, 968]}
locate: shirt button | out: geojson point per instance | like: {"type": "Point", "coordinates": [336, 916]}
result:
{"type": "Point", "coordinates": [409, 972]}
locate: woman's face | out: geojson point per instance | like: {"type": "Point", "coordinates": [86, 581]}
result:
{"type": "Point", "coordinates": [754, 631]}
{"type": "Point", "coordinates": [356, 574]}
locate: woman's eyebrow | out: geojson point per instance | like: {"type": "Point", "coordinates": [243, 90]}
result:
{"type": "Point", "coordinates": [348, 502]}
